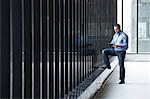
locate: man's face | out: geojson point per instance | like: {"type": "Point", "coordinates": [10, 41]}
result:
{"type": "Point", "coordinates": [116, 29]}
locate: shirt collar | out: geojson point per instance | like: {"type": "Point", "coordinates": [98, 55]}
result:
{"type": "Point", "coordinates": [119, 33]}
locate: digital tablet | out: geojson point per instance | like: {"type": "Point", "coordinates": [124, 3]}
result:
{"type": "Point", "coordinates": [110, 44]}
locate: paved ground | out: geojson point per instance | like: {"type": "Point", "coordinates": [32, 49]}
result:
{"type": "Point", "coordinates": [137, 84]}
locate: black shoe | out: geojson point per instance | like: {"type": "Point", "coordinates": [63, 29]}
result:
{"type": "Point", "coordinates": [108, 67]}
{"type": "Point", "coordinates": [121, 82]}
{"type": "Point", "coordinates": [104, 67]}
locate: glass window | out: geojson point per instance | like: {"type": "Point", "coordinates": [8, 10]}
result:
{"type": "Point", "coordinates": [143, 26]}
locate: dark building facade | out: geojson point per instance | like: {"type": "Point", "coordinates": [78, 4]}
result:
{"type": "Point", "coordinates": [48, 47]}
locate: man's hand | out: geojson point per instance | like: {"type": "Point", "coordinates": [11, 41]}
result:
{"type": "Point", "coordinates": [114, 46]}
{"type": "Point", "coordinates": [117, 46]}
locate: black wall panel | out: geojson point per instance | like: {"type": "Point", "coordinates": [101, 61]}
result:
{"type": "Point", "coordinates": [48, 47]}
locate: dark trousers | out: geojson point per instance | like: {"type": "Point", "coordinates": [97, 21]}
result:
{"type": "Point", "coordinates": [121, 56]}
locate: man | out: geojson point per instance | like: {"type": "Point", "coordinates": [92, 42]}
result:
{"type": "Point", "coordinates": [119, 45]}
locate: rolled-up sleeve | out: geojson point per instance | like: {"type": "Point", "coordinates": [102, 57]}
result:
{"type": "Point", "coordinates": [123, 41]}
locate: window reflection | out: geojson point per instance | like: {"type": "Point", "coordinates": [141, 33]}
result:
{"type": "Point", "coordinates": [143, 26]}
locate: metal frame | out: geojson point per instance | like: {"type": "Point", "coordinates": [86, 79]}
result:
{"type": "Point", "coordinates": [137, 28]}
{"type": "Point", "coordinates": [44, 46]}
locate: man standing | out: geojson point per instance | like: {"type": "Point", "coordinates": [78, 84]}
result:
{"type": "Point", "coordinates": [119, 45]}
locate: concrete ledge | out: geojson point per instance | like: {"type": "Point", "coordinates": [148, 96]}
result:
{"type": "Point", "coordinates": [99, 81]}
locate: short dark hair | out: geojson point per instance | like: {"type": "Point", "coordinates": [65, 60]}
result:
{"type": "Point", "coordinates": [117, 25]}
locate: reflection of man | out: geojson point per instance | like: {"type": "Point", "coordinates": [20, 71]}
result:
{"type": "Point", "coordinates": [120, 45]}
